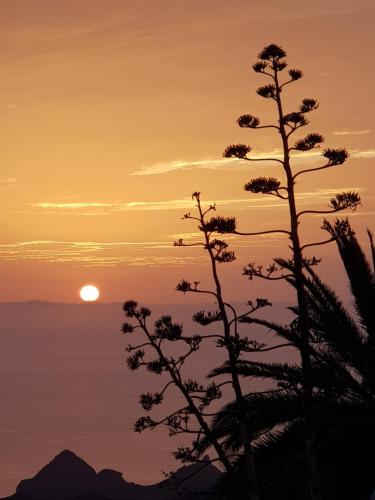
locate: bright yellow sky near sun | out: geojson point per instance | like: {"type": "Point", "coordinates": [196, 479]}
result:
{"type": "Point", "coordinates": [113, 112]}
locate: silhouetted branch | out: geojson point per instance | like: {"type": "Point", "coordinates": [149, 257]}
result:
{"type": "Point", "coordinates": [259, 304]}
{"type": "Point", "coordinates": [324, 242]}
{"type": "Point", "coordinates": [253, 122]}
{"type": "Point", "coordinates": [260, 233]}
{"type": "Point", "coordinates": [273, 348]}
{"type": "Point", "coordinates": [241, 150]}
{"type": "Point", "coordinates": [180, 243]}
{"type": "Point", "coordinates": [327, 165]}
{"type": "Point", "coordinates": [335, 157]}
{"type": "Point", "coordinates": [131, 348]}
{"type": "Point", "coordinates": [295, 74]}
{"type": "Point", "coordinates": [321, 212]}
{"type": "Point", "coordinates": [185, 287]}
{"type": "Point", "coordinates": [264, 159]}
{"type": "Point", "coordinates": [252, 270]}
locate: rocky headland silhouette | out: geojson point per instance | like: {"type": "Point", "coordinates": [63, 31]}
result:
{"type": "Point", "coordinates": [68, 477]}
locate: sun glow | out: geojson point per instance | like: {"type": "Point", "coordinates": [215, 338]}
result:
{"type": "Point", "coordinates": [89, 293]}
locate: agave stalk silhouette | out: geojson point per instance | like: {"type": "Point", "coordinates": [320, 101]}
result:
{"type": "Point", "coordinates": [271, 64]}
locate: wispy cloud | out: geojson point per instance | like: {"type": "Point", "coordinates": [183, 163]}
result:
{"type": "Point", "coordinates": [325, 193]}
{"type": "Point", "coordinates": [72, 205]}
{"type": "Point", "coordinates": [368, 153]}
{"type": "Point", "coordinates": [106, 208]}
{"type": "Point", "coordinates": [171, 166]}
{"type": "Point", "coordinates": [113, 254]}
{"type": "Point", "coordinates": [207, 163]}
{"type": "Point", "coordinates": [93, 254]}
{"type": "Point", "coordinates": [264, 240]}
{"type": "Point", "coordinates": [110, 208]}
{"type": "Point", "coordinates": [352, 132]}
{"type": "Point", "coordinates": [149, 253]}
{"type": "Point", "coordinates": [82, 245]}
{"type": "Point", "coordinates": [264, 159]}
{"type": "Point", "coordinates": [98, 208]}
{"type": "Point", "coordinates": [7, 183]}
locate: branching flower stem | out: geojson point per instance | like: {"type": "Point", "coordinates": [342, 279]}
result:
{"type": "Point", "coordinates": [254, 492]}
{"type": "Point", "coordinates": [177, 380]}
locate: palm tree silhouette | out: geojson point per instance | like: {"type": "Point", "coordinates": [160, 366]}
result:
{"type": "Point", "coordinates": [342, 349]}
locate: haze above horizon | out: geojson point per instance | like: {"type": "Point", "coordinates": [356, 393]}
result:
{"type": "Point", "coordinates": [113, 113]}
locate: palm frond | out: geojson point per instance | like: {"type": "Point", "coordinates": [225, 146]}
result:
{"type": "Point", "coordinates": [264, 412]}
{"type": "Point", "coordinates": [360, 274]}
{"type": "Point", "coordinates": [332, 322]}
{"type": "Point", "coordinates": [280, 461]}
{"type": "Point", "coordinates": [279, 372]}
{"type": "Point", "coordinates": [283, 331]}
{"type": "Point", "coordinates": [372, 246]}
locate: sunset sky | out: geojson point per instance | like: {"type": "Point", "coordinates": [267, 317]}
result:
{"type": "Point", "coordinates": [113, 112]}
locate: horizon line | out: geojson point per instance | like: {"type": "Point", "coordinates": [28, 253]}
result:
{"type": "Point", "coordinates": [51, 302]}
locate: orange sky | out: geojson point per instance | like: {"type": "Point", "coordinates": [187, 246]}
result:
{"type": "Point", "coordinates": [114, 112]}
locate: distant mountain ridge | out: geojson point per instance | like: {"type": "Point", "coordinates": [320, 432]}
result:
{"type": "Point", "coordinates": [68, 477]}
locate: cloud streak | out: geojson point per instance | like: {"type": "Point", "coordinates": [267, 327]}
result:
{"type": "Point", "coordinates": [146, 253]}
{"type": "Point", "coordinates": [106, 208]}
{"type": "Point", "coordinates": [166, 167]}
{"type": "Point", "coordinates": [93, 254]}
{"type": "Point", "coordinates": [211, 163]}
{"type": "Point", "coordinates": [236, 164]}
{"type": "Point", "coordinates": [114, 254]}
{"type": "Point", "coordinates": [110, 208]}
{"type": "Point", "coordinates": [369, 153]}
{"type": "Point", "coordinates": [7, 183]}
{"type": "Point", "coordinates": [352, 132]}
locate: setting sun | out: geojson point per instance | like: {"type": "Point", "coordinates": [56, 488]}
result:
{"type": "Point", "coordinates": [89, 293]}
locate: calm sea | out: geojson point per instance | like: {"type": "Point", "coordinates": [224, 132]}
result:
{"type": "Point", "coordinates": [65, 385]}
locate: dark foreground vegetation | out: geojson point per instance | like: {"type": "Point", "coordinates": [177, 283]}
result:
{"type": "Point", "coordinates": [342, 352]}
{"type": "Point", "coordinates": [309, 434]}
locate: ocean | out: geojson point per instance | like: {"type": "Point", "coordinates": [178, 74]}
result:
{"type": "Point", "coordinates": [65, 385]}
